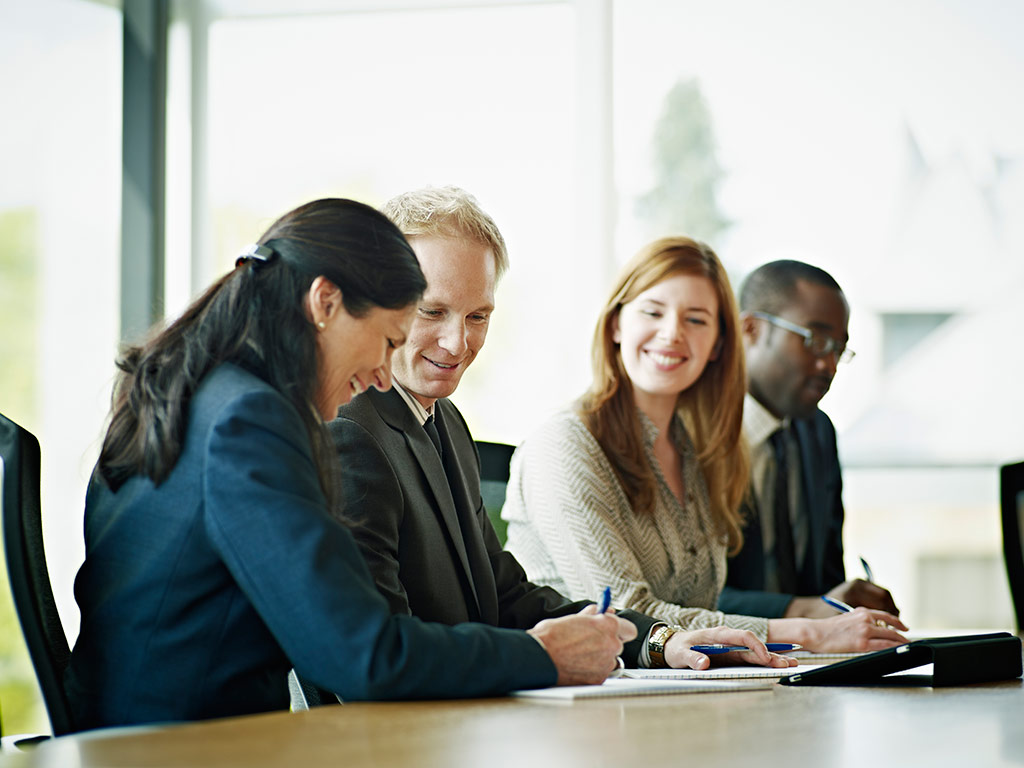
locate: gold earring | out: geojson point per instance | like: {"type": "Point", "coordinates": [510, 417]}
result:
{"type": "Point", "coordinates": [321, 325]}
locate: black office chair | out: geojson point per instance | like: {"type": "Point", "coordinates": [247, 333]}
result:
{"type": "Point", "coordinates": [1011, 487]}
{"type": "Point", "coordinates": [494, 461]}
{"type": "Point", "coordinates": [26, 569]}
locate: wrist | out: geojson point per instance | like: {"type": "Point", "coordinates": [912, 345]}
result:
{"type": "Point", "coordinates": [657, 644]}
{"type": "Point", "coordinates": [789, 631]}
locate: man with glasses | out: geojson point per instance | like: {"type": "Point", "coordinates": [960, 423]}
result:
{"type": "Point", "coordinates": [795, 322]}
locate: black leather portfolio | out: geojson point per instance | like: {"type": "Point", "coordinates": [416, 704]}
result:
{"type": "Point", "coordinates": [955, 661]}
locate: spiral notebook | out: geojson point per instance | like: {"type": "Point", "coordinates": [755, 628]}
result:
{"type": "Point", "coordinates": [623, 686]}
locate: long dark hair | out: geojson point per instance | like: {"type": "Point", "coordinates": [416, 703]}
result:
{"type": "Point", "coordinates": [255, 317]}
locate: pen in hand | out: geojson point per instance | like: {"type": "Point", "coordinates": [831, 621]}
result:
{"type": "Point", "coordinates": [715, 648]}
{"type": "Point", "coordinates": [867, 570]}
{"type": "Point", "coordinates": [602, 607]}
{"type": "Point", "coordinates": [606, 600]}
{"type": "Point", "coordinates": [839, 605]}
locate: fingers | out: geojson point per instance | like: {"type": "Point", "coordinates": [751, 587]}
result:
{"type": "Point", "coordinates": [859, 592]}
{"type": "Point", "coordinates": [625, 630]}
{"type": "Point", "coordinates": [678, 651]}
{"type": "Point", "coordinates": [885, 619]}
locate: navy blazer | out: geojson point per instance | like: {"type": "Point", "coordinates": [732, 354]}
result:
{"type": "Point", "coordinates": [198, 595]}
{"type": "Point", "coordinates": [423, 528]}
{"type": "Point", "coordinates": [823, 565]}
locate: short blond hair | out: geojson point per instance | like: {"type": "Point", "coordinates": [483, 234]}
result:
{"type": "Point", "coordinates": [447, 211]}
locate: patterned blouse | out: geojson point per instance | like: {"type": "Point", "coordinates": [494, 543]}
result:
{"type": "Point", "coordinates": [571, 526]}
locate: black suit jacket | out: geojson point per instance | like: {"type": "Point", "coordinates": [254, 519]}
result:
{"type": "Point", "coordinates": [823, 565]}
{"type": "Point", "coordinates": [422, 525]}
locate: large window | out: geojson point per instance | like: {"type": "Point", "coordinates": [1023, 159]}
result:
{"type": "Point", "coordinates": [881, 141]}
{"type": "Point", "coordinates": [59, 226]}
{"type": "Point", "coordinates": [885, 143]}
{"type": "Point", "coordinates": [371, 104]}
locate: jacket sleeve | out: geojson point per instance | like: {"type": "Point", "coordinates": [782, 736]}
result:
{"type": "Point", "coordinates": [302, 572]}
{"type": "Point", "coordinates": [753, 602]}
{"type": "Point", "coordinates": [833, 570]}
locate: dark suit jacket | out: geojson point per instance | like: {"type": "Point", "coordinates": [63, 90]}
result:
{"type": "Point", "coordinates": [422, 526]}
{"type": "Point", "coordinates": [198, 595]}
{"type": "Point", "coordinates": [823, 565]}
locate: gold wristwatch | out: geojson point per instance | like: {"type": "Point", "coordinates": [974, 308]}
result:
{"type": "Point", "coordinates": [656, 644]}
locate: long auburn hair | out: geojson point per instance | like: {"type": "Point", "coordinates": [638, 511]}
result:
{"type": "Point", "coordinates": [712, 408]}
{"type": "Point", "coordinates": [255, 316]}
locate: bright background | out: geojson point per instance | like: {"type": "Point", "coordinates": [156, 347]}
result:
{"type": "Point", "coordinates": [883, 141]}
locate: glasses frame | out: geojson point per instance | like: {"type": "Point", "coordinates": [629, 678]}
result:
{"type": "Point", "coordinates": [819, 344]}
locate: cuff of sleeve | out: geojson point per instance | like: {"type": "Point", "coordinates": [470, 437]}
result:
{"type": "Point", "coordinates": [652, 651]}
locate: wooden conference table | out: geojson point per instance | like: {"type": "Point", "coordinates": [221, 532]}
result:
{"type": "Point", "coordinates": [861, 727]}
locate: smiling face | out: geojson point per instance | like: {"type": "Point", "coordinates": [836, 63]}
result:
{"type": "Point", "coordinates": [666, 336]}
{"type": "Point", "coordinates": [451, 320]}
{"type": "Point", "coordinates": [354, 352]}
{"type": "Point", "coordinates": [784, 375]}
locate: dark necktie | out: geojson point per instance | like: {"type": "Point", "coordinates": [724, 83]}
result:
{"type": "Point", "coordinates": [432, 433]}
{"type": "Point", "coordinates": [785, 557]}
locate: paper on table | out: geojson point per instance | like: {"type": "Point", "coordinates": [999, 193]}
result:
{"type": "Point", "coordinates": [716, 673]}
{"type": "Point", "coordinates": [810, 657]}
{"type": "Point", "coordinates": [621, 686]}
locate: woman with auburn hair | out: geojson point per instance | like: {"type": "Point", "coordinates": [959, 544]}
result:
{"type": "Point", "coordinates": [638, 487]}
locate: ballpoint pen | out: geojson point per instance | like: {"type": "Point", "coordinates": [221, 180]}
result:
{"type": "Point", "coordinates": [606, 600]}
{"type": "Point", "coordinates": [714, 648]}
{"type": "Point", "coordinates": [839, 605]}
{"type": "Point", "coordinates": [867, 570]}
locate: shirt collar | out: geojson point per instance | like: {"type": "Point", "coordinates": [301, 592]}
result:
{"type": "Point", "coordinates": [758, 422]}
{"type": "Point", "coordinates": [421, 413]}
{"type": "Point", "coordinates": [677, 433]}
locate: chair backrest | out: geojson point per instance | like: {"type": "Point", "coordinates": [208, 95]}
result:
{"type": "Point", "coordinates": [1011, 494]}
{"type": "Point", "coordinates": [494, 461]}
{"type": "Point", "coordinates": [27, 572]}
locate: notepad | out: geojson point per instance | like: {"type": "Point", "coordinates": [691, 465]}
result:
{"type": "Point", "coordinates": [717, 673]}
{"type": "Point", "coordinates": [622, 686]}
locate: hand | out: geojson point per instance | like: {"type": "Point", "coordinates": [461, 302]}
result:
{"type": "Point", "coordinates": [861, 630]}
{"type": "Point", "coordinates": [584, 647]}
{"type": "Point", "coordinates": [858, 592]}
{"type": "Point", "coordinates": [678, 653]}
{"type": "Point", "coordinates": [855, 592]}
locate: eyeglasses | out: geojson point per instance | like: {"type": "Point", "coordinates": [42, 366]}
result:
{"type": "Point", "coordinates": [819, 344]}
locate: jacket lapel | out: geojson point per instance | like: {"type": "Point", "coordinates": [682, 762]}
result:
{"type": "Point", "coordinates": [810, 469]}
{"type": "Point", "coordinates": [396, 413]}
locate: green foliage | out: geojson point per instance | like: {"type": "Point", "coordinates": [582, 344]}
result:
{"type": "Point", "coordinates": [19, 694]}
{"type": "Point", "coordinates": [687, 173]}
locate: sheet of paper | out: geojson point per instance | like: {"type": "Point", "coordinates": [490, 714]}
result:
{"type": "Point", "coordinates": [622, 686]}
{"type": "Point", "coordinates": [809, 657]}
{"type": "Point", "coordinates": [716, 673]}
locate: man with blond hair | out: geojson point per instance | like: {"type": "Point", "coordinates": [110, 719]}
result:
{"type": "Point", "coordinates": [410, 470]}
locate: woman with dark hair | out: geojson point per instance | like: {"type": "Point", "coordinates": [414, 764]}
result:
{"type": "Point", "coordinates": [639, 486]}
{"type": "Point", "coordinates": [213, 563]}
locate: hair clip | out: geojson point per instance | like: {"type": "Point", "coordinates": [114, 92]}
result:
{"type": "Point", "coordinates": [257, 255]}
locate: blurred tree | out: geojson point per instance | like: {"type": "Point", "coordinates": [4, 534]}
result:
{"type": "Point", "coordinates": [687, 172]}
{"type": "Point", "coordinates": [18, 303]}
{"type": "Point", "coordinates": [22, 703]}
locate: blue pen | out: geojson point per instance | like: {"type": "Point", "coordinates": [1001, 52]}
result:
{"type": "Point", "coordinates": [839, 605]}
{"type": "Point", "coordinates": [606, 600]}
{"type": "Point", "coordinates": [867, 570]}
{"type": "Point", "coordinates": [714, 648]}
